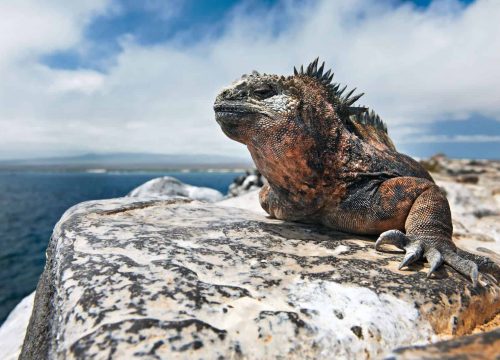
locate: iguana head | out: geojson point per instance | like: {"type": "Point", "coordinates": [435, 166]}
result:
{"type": "Point", "coordinates": [259, 103]}
{"type": "Point", "coordinates": [255, 104]}
{"type": "Point", "coordinates": [288, 122]}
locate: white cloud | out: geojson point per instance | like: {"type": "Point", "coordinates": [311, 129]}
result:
{"type": "Point", "coordinates": [82, 81]}
{"type": "Point", "coordinates": [452, 139]}
{"type": "Point", "coordinates": [30, 27]}
{"type": "Point", "coordinates": [416, 67]}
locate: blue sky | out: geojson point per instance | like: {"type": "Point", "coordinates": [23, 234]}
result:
{"type": "Point", "coordinates": [125, 75]}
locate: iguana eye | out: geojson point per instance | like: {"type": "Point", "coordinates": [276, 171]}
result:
{"type": "Point", "coordinates": [264, 92]}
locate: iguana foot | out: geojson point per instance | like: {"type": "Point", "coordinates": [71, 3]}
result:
{"type": "Point", "coordinates": [437, 252]}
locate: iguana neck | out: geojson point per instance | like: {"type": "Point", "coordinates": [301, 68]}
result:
{"type": "Point", "coordinates": [297, 172]}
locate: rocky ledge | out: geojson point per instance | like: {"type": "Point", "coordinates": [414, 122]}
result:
{"type": "Point", "coordinates": [180, 279]}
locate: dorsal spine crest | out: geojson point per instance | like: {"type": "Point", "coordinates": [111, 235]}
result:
{"type": "Point", "coordinates": [342, 104]}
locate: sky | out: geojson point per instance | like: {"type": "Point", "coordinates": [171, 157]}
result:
{"type": "Point", "coordinates": [107, 76]}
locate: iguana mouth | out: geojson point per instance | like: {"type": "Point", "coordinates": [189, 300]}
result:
{"type": "Point", "coordinates": [230, 115]}
{"type": "Point", "coordinates": [233, 109]}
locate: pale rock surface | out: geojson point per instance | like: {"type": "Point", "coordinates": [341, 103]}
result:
{"type": "Point", "coordinates": [248, 201]}
{"type": "Point", "coordinates": [473, 190]}
{"type": "Point", "coordinates": [167, 187]}
{"type": "Point", "coordinates": [181, 279]}
{"type": "Point", "coordinates": [14, 327]}
{"type": "Point", "coordinates": [475, 211]}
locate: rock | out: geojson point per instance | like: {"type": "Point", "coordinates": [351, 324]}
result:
{"type": "Point", "coordinates": [468, 179]}
{"type": "Point", "coordinates": [460, 168]}
{"type": "Point", "coordinates": [251, 181]}
{"type": "Point", "coordinates": [471, 187]}
{"type": "Point", "coordinates": [167, 187]}
{"type": "Point", "coordinates": [475, 212]}
{"type": "Point", "coordinates": [14, 327]}
{"type": "Point", "coordinates": [248, 201]}
{"type": "Point", "coordinates": [434, 163]}
{"type": "Point", "coordinates": [177, 278]}
{"type": "Point", "coordinates": [479, 346]}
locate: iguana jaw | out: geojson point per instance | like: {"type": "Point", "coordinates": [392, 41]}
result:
{"type": "Point", "coordinates": [237, 118]}
{"type": "Point", "coordinates": [230, 109]}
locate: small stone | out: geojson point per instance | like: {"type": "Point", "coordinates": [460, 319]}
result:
{"type": "Point", "coordinates": [467, 179]}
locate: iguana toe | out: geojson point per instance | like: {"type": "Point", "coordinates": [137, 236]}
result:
{"type": "Point", "coordinates": [484, 264]}
{"type": "Point", "coordinates": [417, 248]}
{"type": "Point", "coordinates": [414, 251]}
{"type": "Point", "coordinates": [462, 265]}
{"type": "Point", "coordinates": [391, 237]}
{"type": "Point", "coordinates": [414, 248]}
{"type": "Point", "coordinates": [435, 260]}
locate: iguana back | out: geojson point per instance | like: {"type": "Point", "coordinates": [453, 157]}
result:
{"type": "Point", "coordinates": [359, 120]}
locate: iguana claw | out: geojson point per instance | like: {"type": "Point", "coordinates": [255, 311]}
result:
{"type": "Point", "coordinates": [414, 251]}
{"type": "Point", "coordinates": [465, 263]}
{"type": "Point", "coordinates": [391, 237]}
{"type": "Point", "coordinates": [435, 260]}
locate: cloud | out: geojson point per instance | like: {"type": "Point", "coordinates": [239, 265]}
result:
{"type": "Point", "coordinates": [453, 139]}
{"type": "Point", "coordinates": [65, 82]}
{"type": "Point", "coordinates": [29, 27]}
{"type": "Point", "coordinates": [417, 67]}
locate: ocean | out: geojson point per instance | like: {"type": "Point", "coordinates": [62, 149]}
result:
{"type": "Point", "coordinates": [32, 202]}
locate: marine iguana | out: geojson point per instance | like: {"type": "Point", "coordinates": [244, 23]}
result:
{"type": "Point", "coordinates": [330, 162]}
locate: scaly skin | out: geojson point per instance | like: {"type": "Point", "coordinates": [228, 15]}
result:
{"type": "Point", "coordinates": [330, 163]}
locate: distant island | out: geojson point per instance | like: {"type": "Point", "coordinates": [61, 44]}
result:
{"type": "Point", "coordinates": [95, 162]}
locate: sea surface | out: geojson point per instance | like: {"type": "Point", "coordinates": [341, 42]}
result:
{"type": "Point", "coordinates": [32, 202]}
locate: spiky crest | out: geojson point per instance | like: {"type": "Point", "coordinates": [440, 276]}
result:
{"type": "Point", "coordinates": [342, 104]}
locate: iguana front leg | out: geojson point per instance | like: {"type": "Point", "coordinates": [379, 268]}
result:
{"type": "Point", "coordinates": [281, 207]}
{"type": "Point", "coordinates": [428, 229]}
